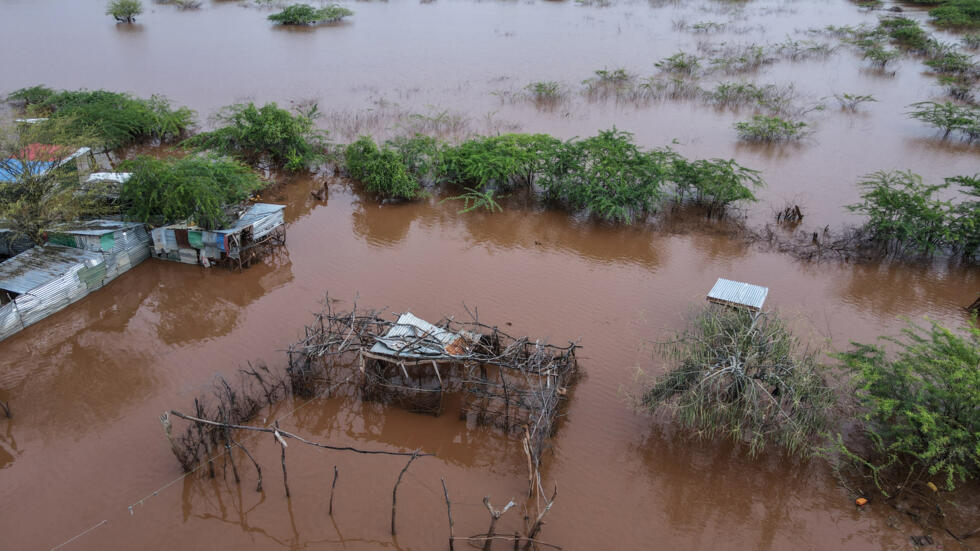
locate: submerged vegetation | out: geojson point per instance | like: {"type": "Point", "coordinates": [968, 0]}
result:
{"type": "Point", "coordinates": [198, 189]}
{"type": "Point", "coordinates": [124, 11]}
{"type": "Point", "coordinates": [949, 117]}
{"type": "Point", "coordinates": [743, 375]}
{"type": "Point", "coordinates": [263, 136]}
{"type": "Point", "coordinates": [383, 170]}
{"type": "Point", "coordinates": [115, 119]}
{"type": "Point", "coordinates": [606, 176]}
{"type": "Point", "coordinates": [905, 216]}
{"type": "Point", "coordinates": [920, 404]}
{"type": "Point", "coordinates": [39, 186]}
{"type": "Point", "coordinates": [766, 129]}
{"type": "Point", "coordinates": [305, 14]}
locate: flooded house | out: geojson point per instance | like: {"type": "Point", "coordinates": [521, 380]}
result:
{"type": "Point", "coordinates": [44, 280]}
{"type": "Point", "coordinates": [257, 230]}
{"type": "Point", "coordinates": [77, 259]}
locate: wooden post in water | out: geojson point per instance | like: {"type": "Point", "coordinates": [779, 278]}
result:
{"type": "Point", "coordinates": [394, 491]}
{"type": "Point", "coordinates": [332, 487]}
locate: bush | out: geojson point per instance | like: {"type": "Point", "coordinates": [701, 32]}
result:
{"type": "Point", "coordinates": [124, 11]}
{"type": "Point", "coordinates": [382, 170]}
{"type": "Point", "coordinates": [770, 129]}
{"type": "Point", "coordinates": [198, 189]}
{"type": "Point", "coordinates": [743, 375]}
{"type": "Point", "coordinates": [31, 96]}
{"type": "Point", "coordinates": [607, 176]}
{"type": "Point", "coordinates": [904, 215]}
{"type": "Point", "coordinates": [305, 14]}
{"type": "Point", "coordinates": [949, 117]}
{"type": "Point", "coordinates": [117, 119]}
{"type": "Point", "coordinates": [957, 13]}
{"type": "Point", "coordinates": [501, 162]}
{"type": "Point", "coordinates": [263, 135]}
{"type": "Point", "coordinates": [921, 400]}
{"type": "Point", "coordinates": [715, 183]}
{"type": "Point", "coordinates": [952, 63]}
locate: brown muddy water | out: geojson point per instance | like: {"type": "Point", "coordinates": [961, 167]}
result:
{"type": "Point", "coordinates": [88, 384]}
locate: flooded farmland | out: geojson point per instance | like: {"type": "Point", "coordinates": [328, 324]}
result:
{"type": "Point", "coordinates": [84, 463]}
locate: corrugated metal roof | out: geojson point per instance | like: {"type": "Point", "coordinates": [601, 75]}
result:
{"type": "Point", "coordinates": [114, 177]}
{"type": "Point", "coordinates": [35, 267]}
{"type": "Point", "coordinates": [737, 293]}
{"type": "Point", "coordinates": [413, 337]}
{"type": "Point", "coordinates": [254, 214]}
{"type": "Point", "coordinates": [96, 227]}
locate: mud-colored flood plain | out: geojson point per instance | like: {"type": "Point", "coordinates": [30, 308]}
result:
{"type": "Point", "coordinates": [84, 456]}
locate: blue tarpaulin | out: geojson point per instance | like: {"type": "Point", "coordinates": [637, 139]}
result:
{"type": "Point", "coordinates": [11, 169]}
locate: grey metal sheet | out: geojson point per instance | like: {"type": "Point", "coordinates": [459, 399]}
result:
{"type": "Point", "coordinates": [41, 265]}
{"type": "Point", "coordinates": [413, 337]}
{"type": "Point", "coordinates": [737, 293]}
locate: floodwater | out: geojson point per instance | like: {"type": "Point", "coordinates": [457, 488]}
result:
{"type": "Point", "coordinates": [84, 460]}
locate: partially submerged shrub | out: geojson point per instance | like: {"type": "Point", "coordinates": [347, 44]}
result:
{"type": "Point", "coordinates": [906, 33]}
{"type": "Point", "coordinates": [680, 63]}
{"type": "Point", "coordinates": [957, 14]}
{"type": "Point", "coordinates": [502, 162]}
{"type": "Point", "coordinates": [263, 135]}
{"type": "Point", "coordinates": [850, 102]}
{"type": "Point", "coordinates": [767, 129]}
{"type": "Point", "coordinates": [124, 11]}
{"type": "Point", "coordinates": [952, 63]}
{"type": "Point", "coordinates": [949, 117]}
{"type": "Point", "coordinates": [743, 375]}
{"type": "Point", "coordinates": [546, 92]}
{"type": "Point", "coordinates": [607, 176]}
{"type": "Point", "coordinates": [305, 14]}
{"type": "Point", "coordinates": [921, 400]}
{"type": "Point", "coordinates": [714, 183]}
{"type": "Point", "coordinates": [878, 55]}
{"type": "Point", "coordinates": [195, 188]}
{"type": "Point", "coordinates": [117, 119]}
{"type": "Point", "coordinates": [32, 95]}
{"type": "Point", "coordinates": [381, 170]}
{"type": "Point", "coordinates": [904, 214]}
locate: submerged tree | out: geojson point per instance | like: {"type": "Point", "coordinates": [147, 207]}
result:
{"type": "Point", "coordinates": [382, 170]}
{"type": "Point", "coordinates": [266, 135]}
{"type": "Point", "coordinates": [921, 402]}
{"type": "Point", "coordinates": [115, 119]}
{"type": "Point", "coordinates": [305, 14]}
{"type": "Point", "coordinates": [714, 183]}
{"type": "Point", "coordinates": [197, 189]}
{"type": "Point", "coordinates": [39, 179]}
{"type": "Point", "coordinates": [743, 375]}
{"type": "Point", "coordinates": [124, 11]}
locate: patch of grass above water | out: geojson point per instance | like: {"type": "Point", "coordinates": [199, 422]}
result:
{"type": "Point", "coordinates": [305, 14]}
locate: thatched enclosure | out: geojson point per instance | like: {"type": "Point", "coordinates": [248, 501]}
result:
{"type": "Point", "coordinates": [513, 383]}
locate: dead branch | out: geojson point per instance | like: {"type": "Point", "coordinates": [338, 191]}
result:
{"type": "Point", "coordinates": [333, 486]}
{"type": "Point", "coordinates": [494, 517]}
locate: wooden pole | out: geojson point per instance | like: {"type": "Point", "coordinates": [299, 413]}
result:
{"type": "Point", "coordinates": [282, 447]}
{"type": "Point", "coordinates": [449, 510]}
{"type": "Point", "coordinates": [332, 487]}
{"type": "Point", "coordinates": [394, 491]}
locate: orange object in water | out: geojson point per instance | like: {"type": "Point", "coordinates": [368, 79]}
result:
{"type": "Point", "coordinates": [861, 501]}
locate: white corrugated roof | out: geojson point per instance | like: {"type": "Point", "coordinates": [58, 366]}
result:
{"type": "Point", "coordinates": [727, 291]}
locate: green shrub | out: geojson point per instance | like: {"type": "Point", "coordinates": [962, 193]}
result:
{"type": "Point", "coordinates": [305, 14]}
{"type": "Point", "coordinates": [949, 117]}
{"type": "Point", "coordinates": [548, 91]}
{"type": "Point", "coordinates": [381, 170]}
{"type": "Point", "coordinates": [905, 215]}
{"type": "Point", "coordinates": [767, 129]}
{"type": "Point", "coordinates": [607, 176]}
{"type": "Point", "coordinates": [31, 96]}
{"type": "Point", "coordinates": [715, 183]}
{"type": "Point", "coordinates": [124, 11]}
{"type": "Point", "coordinates": [957, 13]}
{"type": "Point", "coordinates": [921, 400]}
{"type": "Point", "coordinates": [877, 55]}
{"type": "Point", "coordinates": [680, 63]}
{"type": "Point", "coordinates": [117, 119]}
{"type": "Point", "coordinates": [906, 33]}
{"type": "Point", "coordinates": [501, 162]}
{"type": "Point", "coordinates": [195, 188]}
{"type": "Point", "coordinates": [743, 375]}
{"type": "Point", "coordinates": [264, 135]}
{"type": "Point", "coordinates": [952, 63]}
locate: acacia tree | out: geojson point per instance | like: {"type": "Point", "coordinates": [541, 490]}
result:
{"type": "Point", "coordinates": [39, 181]}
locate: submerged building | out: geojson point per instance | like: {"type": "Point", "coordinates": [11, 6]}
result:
{"type": "Point", "coordinates": [259, 228]}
